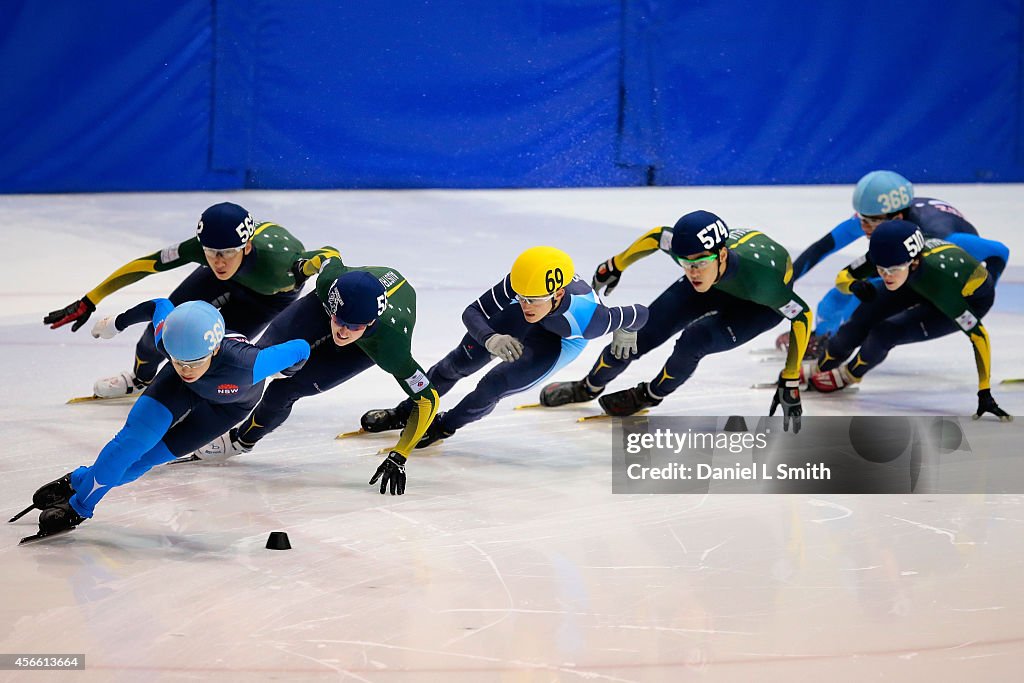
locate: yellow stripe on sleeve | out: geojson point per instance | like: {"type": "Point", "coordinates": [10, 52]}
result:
{"type": "Point", "coordinates": [423, 412]}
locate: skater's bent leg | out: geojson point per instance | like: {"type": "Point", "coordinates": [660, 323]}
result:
{"type": "Point", "coordinates": [669, 313]}
{"type": "Point", "coordinates": [864, 318]}
{"type": "Point", "coordinates": [147, 423]}
{"type": "Point", "coordinates": [713, 332]}
{"type": "Point", "coordinates": [157, 455]}
{"type": "Point", "coordinates": [326, 368]}
{"type": "Point", "coordinates": [462, 361]}
{"type": "Point", "coordinates": [542, 352]}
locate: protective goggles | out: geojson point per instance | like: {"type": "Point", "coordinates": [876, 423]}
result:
{"type": "Point", "coordinates": [191, 364]}
{"type": "Point", "coordinates": [222, 253]}
{"type": "Point", "coordinates": [872, 220]}
{"type": "Point", "coordinates": [892, 270]}
{"type": "Point", "coordinates": [535, 299]}
{"type": "Point", "coordinates": [355, 327]}
{"type": "Point", "coordinates": [696, 263]}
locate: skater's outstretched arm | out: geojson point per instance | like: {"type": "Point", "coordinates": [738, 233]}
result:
{"type": "Point", "coordinates": [842, 235]}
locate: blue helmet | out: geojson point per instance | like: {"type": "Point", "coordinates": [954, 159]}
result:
{"type": "Point", "coordinates": [356, 298]}
{"type": "Point", "coordinates": [895, 242]}
{"type": "Point", "coordinates": [882, 192]}
{"type": "Point", "coordinates": [225, 226]}
{"type": "Point", "coordinates": [698, 231]}
{"type": "Point", "coordinates": [192, 331]}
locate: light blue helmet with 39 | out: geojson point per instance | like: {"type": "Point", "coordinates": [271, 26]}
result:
{"type": "Point", "coordinates": [882, 192]}
{"type": "Point", "coordinates": [193, 330]}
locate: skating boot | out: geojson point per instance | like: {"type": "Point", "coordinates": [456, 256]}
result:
{"type": "Point", "coordinates": [827, 381]}
{"type": "Point", "coordinates": [629, 401]}
{"type": "Point", "coordinates": [55, 520]}
{"type": "Point", "coordinates": [563, 393]}
{"type": "Point", "coordinates": [435, 432]}
{"type": "Point", "coordinates": [223, 447]}
{"type": "Point", "coordinates": [121, 384]}
{"type": "Point", "coordinates": [56, 492]}
{"type": "Point", "coordinates": [382, 420]}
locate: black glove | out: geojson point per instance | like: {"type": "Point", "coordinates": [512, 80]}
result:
{"type": "Point", "coordinates": [863, 290]}
{"type": "Point", "coordinates": [77, 312]}
{"type": "Point", "coordinates": [392, 471]}
{"type": "Point", "coordinates": [300, 277]}
{"type": "Point", "coordinates": [987, 404]}
{"type": "Point", "coordinates": [788, 396]}
{"type": "Point", "coordinates": [606, 275]}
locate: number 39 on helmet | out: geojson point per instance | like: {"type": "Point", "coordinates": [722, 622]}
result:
{"type": "Point", "coordinates": [540, 271]}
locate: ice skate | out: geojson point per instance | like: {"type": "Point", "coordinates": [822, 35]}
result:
{"type": "Point", "coordinates": [220, 449]}
{"type": "Point", "coordinates": [118, 386]}
{"type": "Point", "coordinates": [629, 401]}
{"type": "Point", "coordinates": [827, 381]}
{"type": "Point", "coordinates": [55, 520]}
{"type": "Point", "coordinates": [435, 432]}
{"type": "Point", "coordinates": [563, 393]}
{"type": "Point", "coordinates": [56, 492]}
{"type": "Point", "coordinates": [382, 420]}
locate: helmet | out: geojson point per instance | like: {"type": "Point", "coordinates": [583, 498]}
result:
{"type": "Point", "coordinates": [192, 331]}
{"type": "Point", "coordinates": [882, 192]}
{"type": "Point", "coordinates": [357, 298]}
{"type": "Point", "coordinates": [540, 271]}
{"type": "Point", "coordinates": [225, 226]}
{"type": "Point", "coordinates": [698, 231]}
{"type": "Point", "coordinates": [895, 242]}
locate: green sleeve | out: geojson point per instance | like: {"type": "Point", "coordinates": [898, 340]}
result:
{"type": "Point", "coordinates": [172, 257]}
{"type": "Point", "coordinates": [316, 258]}
{"type": "Point", "coordinates": [649, 242]}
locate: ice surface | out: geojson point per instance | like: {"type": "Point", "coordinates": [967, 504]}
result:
{"type": "Point", "coordinates": [508, 558]}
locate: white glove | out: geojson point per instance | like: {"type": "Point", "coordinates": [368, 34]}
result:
{"type": "Point", "coordinates": [623, 344]}
{"type": "Point", "coordinates": [105, 328]}
{"type": "Point", "coordinates": [504, 346]}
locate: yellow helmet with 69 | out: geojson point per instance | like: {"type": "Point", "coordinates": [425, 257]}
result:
{"type": "Point", "coordinates": [540, 271]}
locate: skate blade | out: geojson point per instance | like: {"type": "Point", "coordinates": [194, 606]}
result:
{"type": "Point", "coordinates": [774, 385]}
{"type": "Point", "coordinates": [1016, 380]}
{"type": "Point", "coordinates": [91, 399]}
{"type": "Point", "coordinates": [40, 536]}
{"type": "Point", "coordinates": [345, 435]}
{"type": "Point", "coordinates": [184, 459]}
{"type": "Point", "coordinates": [21, 514]}
{"type": "Point", "coordinates": [606, 416]}
{"type": "Point", "coordinates": [527, 406]}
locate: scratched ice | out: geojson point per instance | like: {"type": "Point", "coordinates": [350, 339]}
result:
{"type": "Point", "coordinates": [509, 558]}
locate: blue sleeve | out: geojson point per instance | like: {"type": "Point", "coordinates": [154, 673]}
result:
{"type": "Point", "coordinates": [587, 317]}
{"type": "Point", "coordinates": [490, 303]}
{"type": "Point", "coordinates": [981, 249]}
{"type": "Point", "coordinates": [279, 357]}
{"type": "Point", "coordinates": [609, 318]}
{"type": "Point", "coordinates": [844, 234]}
{"type": "Point", "coordinates": [155, 311]}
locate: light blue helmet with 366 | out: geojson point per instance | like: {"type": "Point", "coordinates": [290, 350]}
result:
{"type": "Point", "coordinates": [882, 192]}
{"type": "Point", "coordinates": [192, 331]}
